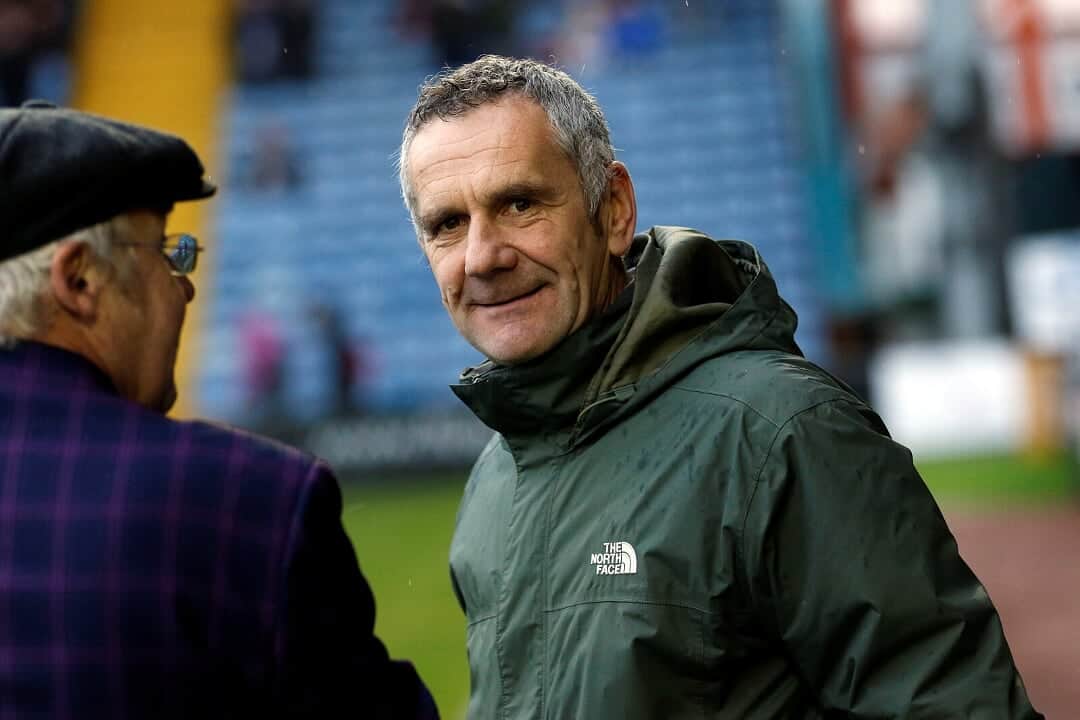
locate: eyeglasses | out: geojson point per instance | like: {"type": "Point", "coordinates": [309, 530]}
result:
{"type": "Point", "coordinates": [180, 250]}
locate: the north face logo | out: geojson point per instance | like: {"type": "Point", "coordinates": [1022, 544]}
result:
{"type": "Point", "coordinates": [618, 558]}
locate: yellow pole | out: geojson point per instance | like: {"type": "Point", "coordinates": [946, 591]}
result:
{"type": "Point", "coordinates": [164, 64]}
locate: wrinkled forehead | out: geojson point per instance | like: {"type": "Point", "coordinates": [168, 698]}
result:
{"type": "Point", "coordinates": [459, 107]}
{"type": "Point", "coordinates": [509, 138]}
{"type": "Point", "coordinates": [509, 112]}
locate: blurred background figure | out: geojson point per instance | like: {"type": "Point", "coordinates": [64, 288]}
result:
{"type": "Point", "coordinates": [963, 114]}
{"type": "Point", "coordinates": [462, 30]}
{"type": "Point", "coordinates": [954, 144]}
{"type": "Point", "coordinates": [272, 39]}
{"type": "Point", "coordinates": [35, 37]}
{"type": "Point", "coordinates": [935, 139]}
{"type": "Point", "coordinates": [348, 367]}
{"type": "Point", "coordinates": [264, 370]}
{"type": "Point", "coordinates": [273, 165]}
{"type": "Point", "coordinates": [907, 168]}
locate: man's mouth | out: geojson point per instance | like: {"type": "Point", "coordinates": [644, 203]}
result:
{"type": "Point", "coordinates": [509, 300]}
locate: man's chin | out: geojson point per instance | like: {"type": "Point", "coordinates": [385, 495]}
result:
{"type": "Point", "coordinates": [168, 399]}
{"type": "Point", "coordinates": [515, 354]}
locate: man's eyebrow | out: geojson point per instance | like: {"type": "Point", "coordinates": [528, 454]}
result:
{"type": "Point", "coordinates": [518, 189]}
{"type": "Point", "coordinates": [524, 188]}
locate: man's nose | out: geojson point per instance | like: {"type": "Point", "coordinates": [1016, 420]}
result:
{"type": "Point", "coordinates": [487, 251]}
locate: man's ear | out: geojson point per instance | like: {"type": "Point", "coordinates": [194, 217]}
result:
{"type": "Point", "coordinates": [76, 279]}
{"type": "Point", "coordinates": [620, 210]}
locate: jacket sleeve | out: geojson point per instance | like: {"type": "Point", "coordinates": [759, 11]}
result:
{"type": "Point", "coordinates": [331, 662]}
{"type": "Point", "coordinates": [850, 561]}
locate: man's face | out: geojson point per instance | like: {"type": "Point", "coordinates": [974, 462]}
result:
{"type": "Point", "coordinates": [143, 313]}
{"type": "Point", "coordinates": [518, 261]}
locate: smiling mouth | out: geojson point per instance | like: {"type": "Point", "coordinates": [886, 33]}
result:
{"type": "Point", "coordinates": [509, 301]}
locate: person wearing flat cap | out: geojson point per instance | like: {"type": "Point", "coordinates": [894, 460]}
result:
{"type": "Point", "coordinates": [150, 567]}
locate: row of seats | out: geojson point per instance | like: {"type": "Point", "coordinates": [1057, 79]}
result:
{"type": "Point", "coordinates": [701, 124]}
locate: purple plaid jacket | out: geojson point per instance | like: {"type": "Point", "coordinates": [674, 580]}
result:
{"type": "Point", "coordinates": [151, 568]}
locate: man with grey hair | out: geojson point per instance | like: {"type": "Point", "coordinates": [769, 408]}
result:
{"type": "Point", "coordinates": [150, 568]}
{"type": "Point", "coordinates": [678, 515]}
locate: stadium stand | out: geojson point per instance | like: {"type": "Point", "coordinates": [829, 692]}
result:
{"type": "Point", "coordinates": [700, 119]}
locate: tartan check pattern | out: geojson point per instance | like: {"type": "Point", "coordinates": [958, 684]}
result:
{"type": "Point", "coordinates": [156, 568]}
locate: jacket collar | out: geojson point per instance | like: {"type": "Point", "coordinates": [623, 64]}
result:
{"type": "Point", "coordinates": [544, 395]}
{"type": "Point", "coordinates": [33, 363]}
{"type": "Point", "coordinates": [691, 298]}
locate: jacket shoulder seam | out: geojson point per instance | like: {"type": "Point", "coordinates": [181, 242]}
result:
{"type": "Point", "coordinates": [479, 620]}
{"type": "Point", "coordinates": [732, 398]}
{"type": "Point", "coordinates": [768, 322]}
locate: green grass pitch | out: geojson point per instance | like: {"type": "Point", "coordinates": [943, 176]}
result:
{"type": "Point", "coordinates": [402, 536]}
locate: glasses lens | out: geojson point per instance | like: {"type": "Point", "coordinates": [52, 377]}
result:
{"type": "Point", "coordinates": [184, 255]}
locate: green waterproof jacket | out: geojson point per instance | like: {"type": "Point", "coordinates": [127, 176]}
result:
{"type": "Point", "coordinates": [680, 517]}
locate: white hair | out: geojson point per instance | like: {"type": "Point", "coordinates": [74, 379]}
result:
{"type": "Point", "coordinates": [25, 310]}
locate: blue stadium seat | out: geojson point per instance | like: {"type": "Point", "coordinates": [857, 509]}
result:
{"type": "Point", "coordinates": [702, 124]}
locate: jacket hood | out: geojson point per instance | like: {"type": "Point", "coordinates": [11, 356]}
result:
{"type": "Point", "coordinates": [690, 298]}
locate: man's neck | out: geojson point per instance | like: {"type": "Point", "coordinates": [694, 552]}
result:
{"type": "Point", "coordinates": [613, 285]}
{"type": "Point", "coordinates": [75, 340]}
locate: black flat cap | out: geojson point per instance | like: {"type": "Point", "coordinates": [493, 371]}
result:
{"type": "Point", "coordinates": [62, 170]}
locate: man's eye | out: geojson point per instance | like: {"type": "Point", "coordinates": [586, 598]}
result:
{"type": "Point", "coordinates": [520, 205]}
{"type": "Point", "coordinates": [446, 230]}
{"type": "Point", "coordinates": [448, 225]}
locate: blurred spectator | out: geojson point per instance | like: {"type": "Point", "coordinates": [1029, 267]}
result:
{"type": "Point", "coordinates": [941, 126]}
{"type": "Point", "coordinates": [581, 39]}
{"type": "Point", "coordinates": [264, 367]}
{"type": "Point", "coordinates": [1036, 101]}
{"type": "Point", "coordinates": [35, 36]}
{"type": "Point", "coordinates": [273, 39]}
{"type": "Point", "coordinates": [538, 29]}
{"type": "Point", "coordinates": [568, 33]}
{"type": "Point", "coordinates": [969, 160]}
{"type": "Point", "coordinates": [349, 368]}
{"type": "Point", "coordinates": [456, 31]}
{"type": "Point", "coordinates": [462, 30]}
{"type": "Point", "coordinates": [413, 18]}
{"type": "Point", "coordinates": [273, 164]}
{"type": "Point", "coordinates": [16, 50]}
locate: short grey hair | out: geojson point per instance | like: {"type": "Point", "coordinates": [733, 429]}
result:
{"type": "Point", "coordinates": [24, 279]}
{"type": "Point", "coordinates": [576, 118]}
